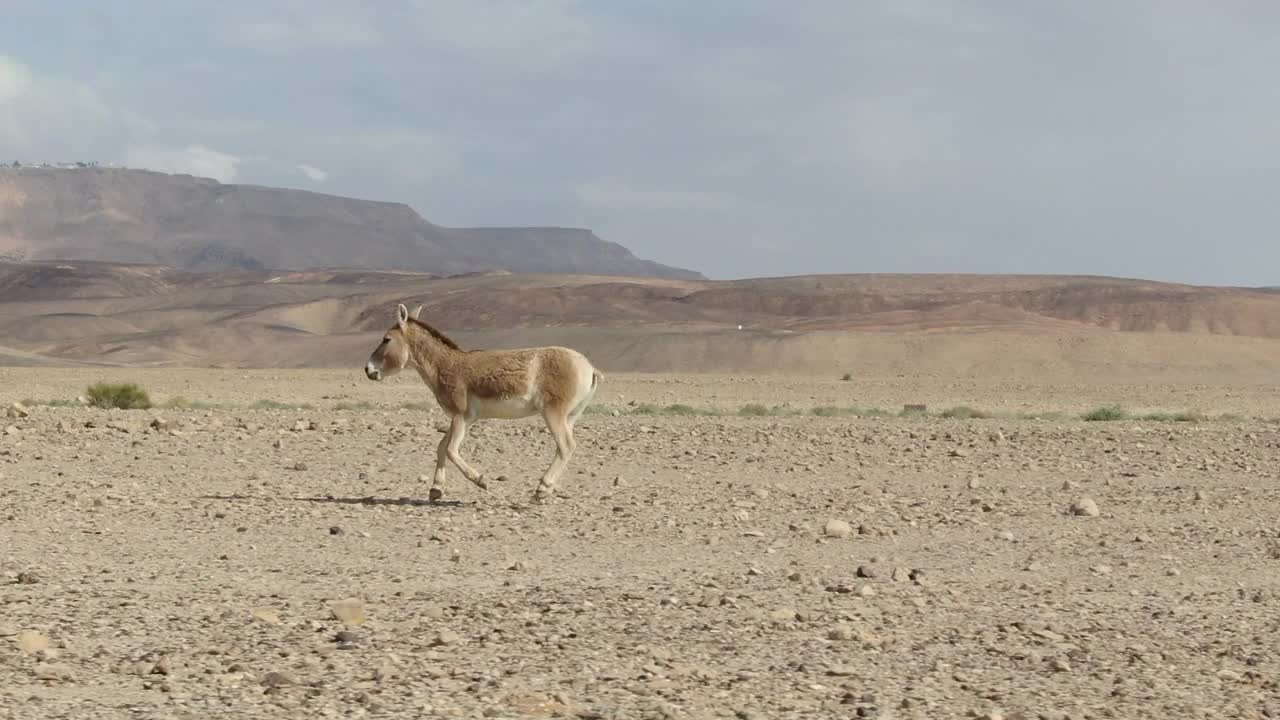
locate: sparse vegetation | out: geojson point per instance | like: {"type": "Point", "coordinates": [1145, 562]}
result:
{"type": "Point", "coordinates": [1106, 413]}
{"type": "Point", "coordinates": [276, 405]}
{"type": "Point", "coordinates": [179, 402]}
{"type": "Point", "coordinates": [964, 412]}
{"type": "Point", "coordinates": [833, 411]}
{"type": "Point", "coordinates": [120, 396]}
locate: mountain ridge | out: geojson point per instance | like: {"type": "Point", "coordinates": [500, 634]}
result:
{"type": "Point", "coordinates": [122, 215]}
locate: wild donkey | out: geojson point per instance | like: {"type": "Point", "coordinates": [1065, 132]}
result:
{"type": "Point", "coordinates": [472, 385]}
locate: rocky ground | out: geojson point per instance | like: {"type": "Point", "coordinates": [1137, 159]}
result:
{"type": "Point", "coordinates": [239, 562]}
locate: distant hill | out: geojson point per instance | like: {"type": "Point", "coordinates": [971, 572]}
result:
{"type": "Point", "coordinates": [189, 223]}
{"type": "Point", "coordinates": [111, 314]}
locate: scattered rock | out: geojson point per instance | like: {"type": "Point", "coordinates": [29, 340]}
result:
{"type": "Point", "coordinates": [349, 611]}
{"type": "Point", "coordinates": [974, 483]}
{"type": "Point", "coordinates": [18, 411]}
{"type": "Point", "coordinates": [867, 571]}
{"type": "Point", "coordinates": [266, 615]}
{"type": "Point", "coordinates": [54, 671]}
{"type": "Point", "coordinates": [299, 466]}
{"type": "Point", "coordinates": [32, 642]}
{"type": "Point", "coordinates": [1085, 507]}
{"type": "Point", "coordinates": [837, 529]}
{"type": "Point", "coordinates": [278, 679]}
{"type": "Point", "coordinates": [446, 637]}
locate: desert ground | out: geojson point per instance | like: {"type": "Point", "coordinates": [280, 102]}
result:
{"type": "Point", "coordinates": [265, 549]}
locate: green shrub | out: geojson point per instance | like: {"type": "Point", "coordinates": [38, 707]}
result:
{"type": "Point", "coordinates": [1105, 414]}
{"type": "Point", "coordinates": [122, 396]}
{"type": "Point", "coordinates": [964, 412]}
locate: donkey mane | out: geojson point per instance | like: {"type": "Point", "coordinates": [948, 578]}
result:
{"type": "Point", "coordinates": [436, 334]}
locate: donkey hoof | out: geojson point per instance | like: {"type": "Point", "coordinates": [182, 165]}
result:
{"type": "Point", "coordinates": [435, 494]}
{"type": "Point", "coordinates": [481, 483]}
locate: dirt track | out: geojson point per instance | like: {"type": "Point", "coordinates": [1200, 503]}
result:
{"type": "Point", "coordinates": [191, 571]}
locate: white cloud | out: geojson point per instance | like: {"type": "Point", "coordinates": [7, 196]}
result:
{"type": "Point", "coordinates": [195, 160]}
{"type": "Point", "coordinates": [15, 79]}
{"type": "Point", "coordinates": [613, 196]}
{"type": "Point", "coordinates": [49, 118]}
{"type": "Point", "coordinates": [292, 26]}
{"type": "Point", "coordinates": [312, 172]}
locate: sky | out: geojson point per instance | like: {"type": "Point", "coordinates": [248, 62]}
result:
{"type": "Point", "coordinates": [736, 137]}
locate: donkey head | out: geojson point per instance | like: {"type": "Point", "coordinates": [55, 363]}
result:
{"type": "Point", "coordinates": [392, 354]}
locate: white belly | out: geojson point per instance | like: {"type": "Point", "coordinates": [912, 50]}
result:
{"type": "Point", "coordinates": [509, 408]}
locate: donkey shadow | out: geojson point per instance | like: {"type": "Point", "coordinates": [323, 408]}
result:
{"type": "Point", "coordinates": [367, 500]}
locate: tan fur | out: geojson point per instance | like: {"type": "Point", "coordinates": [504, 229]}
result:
{"type": "Point", "coordinates": [556, 382]}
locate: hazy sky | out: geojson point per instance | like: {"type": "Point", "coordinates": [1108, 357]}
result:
{"type": "Point", "coordinates": [736, 137]}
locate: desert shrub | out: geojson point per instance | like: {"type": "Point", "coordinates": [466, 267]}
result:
{"type": "Point", "coordinates": [682, 409]}
{"type": "Point", "coordinates": [753, 409]}
{"type": "Point", "coordinates": [964, 412]}
{"type": "Point", "coordinates": [277, 405]}
{"type": "Point", "coordinates": [833, 411]}
{"type": "Point", "coordinates": [1105, 413]}
{"type": "Point", "coordinates": [122, 396]}
{"type": "Point", "coordinates": [179, 402]}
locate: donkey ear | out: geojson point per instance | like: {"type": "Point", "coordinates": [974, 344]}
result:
{"type": "Point", "coordinates": [402, 315]}
{"type": "Point", "coordinates": [416, 312]}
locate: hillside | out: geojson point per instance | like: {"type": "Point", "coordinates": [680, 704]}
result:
{"type": "Point", "coordinates": [74, 312]}
{"type": "Point", "coordinates": [138, 216]}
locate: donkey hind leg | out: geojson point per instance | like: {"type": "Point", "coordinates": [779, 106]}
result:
{"type": "Point", "coordinates": [562, 432]}
{"type": "Point", "coordinates": [457, 432]}
{"type": "Point", "coordinates": [581, 407]}
{"type": "Point", "coordinates": [437, 478]}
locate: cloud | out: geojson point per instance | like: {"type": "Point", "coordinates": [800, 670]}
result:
{"type": "Point", "coordinates": [53, 118]}
{"type": "Point", "coordinates": [615, 196]}
{"type": "Point", "coordinates": [195, 160]}
{"type": "Point", "coordinates": [314, 173]}
{"type": "Point", "coordinates": [290, 27]}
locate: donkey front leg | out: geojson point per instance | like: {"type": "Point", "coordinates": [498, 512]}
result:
{"type": "Point", "coordinates": [457, 432]}
{"type": "Point", "coordinates": [437, 478]}
{"type": "Point", "coordinates": [562, 432]}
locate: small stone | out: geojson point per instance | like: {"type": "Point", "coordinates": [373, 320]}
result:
{"type": "Point", "coordinates": [266, 615]}
{"type": "Point", "coordinates": [12, 430]}
{"type": "Point", "coordinates": [54, 671]}
{"type": "Point", "coordinates": [349, 611]}
{"type": "Point", "coordinates": [837, 529]}
{"type": "Point", "coordinates": [1069, 485]}
{"type": "Point", "coordinates": [446, 637]}
{"type": "Point", "coordinates": [901, 574]}
{"type": "Point", "coordinates": [1085, 507]}
{"type": "Point", "coordinates": [974, 483]}
{"type": "Point", "coordinates": [159, 424]}
{"type": "Point", "coordinates": [299, 466]}
{"type": "Point", "coordinates": [783, 615]}
{"type": "Point", "coordinates": [27, 578]}
{"type": "Point", "coordinates": [161, 666]}
{"type": "Point", "coordinates": [1005, 535]}
{"type": "Point", "coordinates": [1201, 496]}
{"type": "Point", "coordinates": [18, 411]}
{"type": "Point", "coordinates": [1060, 665]}
{"type": "Point", "coordinates": [347, 637]}
{"type": "Point", "coordinates": [31, 642]}
{"type": "Point", "coordinates": [277, 679]}
{"type": "Point", "coordinates": [336, 530]}
{"type": "Point", "coordinates": [867, 571]}
{"type": "Point", "coordinates": [1173, 572]}
{"type": "Point", "coordinates": [866, 591]}
{"type": "Point", "coordinates": [301, 425]}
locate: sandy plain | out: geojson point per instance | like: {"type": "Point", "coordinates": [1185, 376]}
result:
{"type": "Point", "coordinates": [251, 560]}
